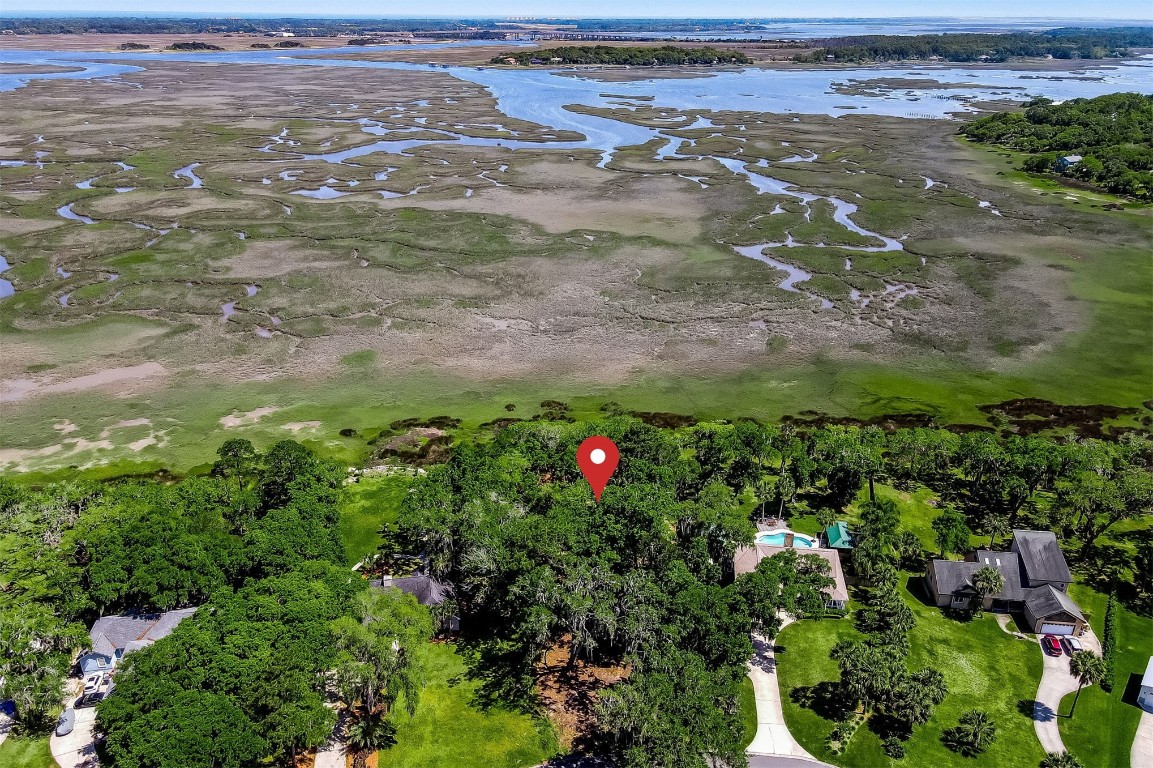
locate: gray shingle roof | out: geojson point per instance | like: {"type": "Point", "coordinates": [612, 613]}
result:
{"type": "Point", "coordinates": [955, 577]}
{"type": "Point", "coordinates": [131, 632]}
{"type": "Point", "coordinates": [1048, 600]}
{"type": "Point", "coordinates": [1010, 567]}
{"type": "Point", "coordinates": [1041, 556]}
{"type": "Point", "coordinates": [426, 590]}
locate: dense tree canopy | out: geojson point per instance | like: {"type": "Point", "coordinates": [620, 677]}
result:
{"type": "Point", "coordinates": [640, 578]}
{"type": "Point", "coordinates": [1071, 43]}
{"type": "Point", "coordinates": [636, 56]}
{"type": "Point", "coordinates": [1112, 134]}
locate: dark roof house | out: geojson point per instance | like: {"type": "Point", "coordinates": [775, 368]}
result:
{"type": "Point", "coordinates": [427, 591]}
{"type": "Point", "coordinates": [1041, 558]}
{"type": "Point", "coordinates": [1035, 577]}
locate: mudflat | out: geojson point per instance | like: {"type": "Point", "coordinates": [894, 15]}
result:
{"type": "Point", "coordinates": [461, 276]}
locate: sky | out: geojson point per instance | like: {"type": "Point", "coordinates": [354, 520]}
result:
{"type": "Point", "coordinates": [1086, 9]}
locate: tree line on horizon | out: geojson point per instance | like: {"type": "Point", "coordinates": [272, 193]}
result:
{"type": "Point", "coordinates": [1066, 43]}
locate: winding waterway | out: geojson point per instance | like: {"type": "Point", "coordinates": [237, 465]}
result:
{"type": "Point", "coordinates": [543, 97]}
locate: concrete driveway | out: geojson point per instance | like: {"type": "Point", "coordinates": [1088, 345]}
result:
{"type": "Point", "coordinates": [1141, 755]}
{"type": "Point", "coordinates": [76, 749]}
{"type": "Point", "coordinates": [773, 746]}
{"type": "Point", "coordinates": [1056, 683]}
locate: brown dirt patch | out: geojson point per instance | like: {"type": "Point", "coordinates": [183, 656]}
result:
{"type": "Point", "coordinates": [570, 695]}
{"type": "Point", "coordinates": [119, 378]}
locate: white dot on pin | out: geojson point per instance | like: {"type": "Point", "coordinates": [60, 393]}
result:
{"type": "Point", "coordinates": [597, 456]}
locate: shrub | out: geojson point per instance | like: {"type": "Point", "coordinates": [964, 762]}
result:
{"type": "Point", "coordinates": [894, 747]}
{"type": "Point", "coordinates": [972, 735]}
{"type": "Point", "coordinates": [1109, 643]}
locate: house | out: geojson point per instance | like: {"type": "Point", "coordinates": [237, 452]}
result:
{"type": "Point", "coordinates": [1068, 161]}
{"type": "Point", "coordinates": [1042, 559]}
{"type": "Point", "coordinates": [837, 536]}
{"type": "Point", "coordinates": [427, 591]}
{"type": "Point", "coordinates": [745, 560]}
{"type": "Point", "coordinates": [114, 637]}
{"type": "Point", "coordinates": [1145, 695]}
{"type": "Point", "coordinates": [1035, 577]}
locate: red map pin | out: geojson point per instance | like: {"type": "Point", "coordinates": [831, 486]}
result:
{"type": "Point", "coordinates": [597, 458]}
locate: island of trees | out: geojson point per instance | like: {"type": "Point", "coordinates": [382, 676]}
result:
{"type": "Point", "coordinates": [1105, 141]}
{"type": "Point", "coordinates": [668, 55]}
{"type": "Point", "coordinates": [1070, 43]}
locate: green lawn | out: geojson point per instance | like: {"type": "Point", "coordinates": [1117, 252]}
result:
{"type": "Point", "coordinates": [1101, 731]}
{"type": "Point", "coordinates": [371, 503]}
{"type": "Point", "coordinates": [450, 729]}
{"type": "Point", "coordinates": [748, 701]}
{"type": "Point", "coordinates": [917, 515]}
{"type": "Point", "coordinates": [19, 752]}
{"type": "Point", "coordinates": [984, 668]}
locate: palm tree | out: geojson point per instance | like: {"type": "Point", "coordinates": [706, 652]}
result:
{"type": "Point", "coordinates": [368, 733]}
{"type": "Point", "coordinates": [763, 489]}
{"type": "Point", "coordinates": [932, 683]}
{"type": "Point", "coordinates": [786, 489]}
{"type": "Point", "coordinates": [1089, 669]}
{"type": "Point", "coordinates": [973, 733]}
{"type": "Point", "coordinates": [988, 581]}
{"type": "Point", "coordinates": [1061, 760]}
{"type": "Point", "coordinates": [996, 524]}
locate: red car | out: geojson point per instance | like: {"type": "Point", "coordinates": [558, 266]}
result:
{"type": "Point", "coordinates": [1051, 645]}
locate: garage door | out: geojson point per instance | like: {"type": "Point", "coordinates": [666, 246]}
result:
{"type": "Point", "coordinates": [1056, 629]}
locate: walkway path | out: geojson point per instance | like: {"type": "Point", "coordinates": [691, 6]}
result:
{"type": "Point", "coordinates": [331, 755]}
{"type": "Point", "coordinates": [773, 746]}
{"type": "Point", "coordinates": [1141, 755]}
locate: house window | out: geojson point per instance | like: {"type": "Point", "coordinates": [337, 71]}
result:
{"type": "Point", "coordinates": [960, 601]}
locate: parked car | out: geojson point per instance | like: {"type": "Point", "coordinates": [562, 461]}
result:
{"type": "Point", "coordinates": [88, 700]}
{"type": "Point", "coordinates": [93, 682]}
{"type": "Point", "coordinates": [66, 722]}
{"type": "Point", "coordinates": [1072, 644]}
{"type": "Point", "coordinates": [1052, 645]}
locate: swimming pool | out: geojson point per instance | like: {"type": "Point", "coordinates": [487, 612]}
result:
{"type": "Point", "coordinates": [777, 539]}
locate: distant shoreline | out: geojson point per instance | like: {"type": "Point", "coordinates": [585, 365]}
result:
{"type": "Point", "coordinates": [479, 53]}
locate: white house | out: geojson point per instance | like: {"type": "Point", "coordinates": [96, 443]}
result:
{"type": "Point", "coordinates": [1145, 697]}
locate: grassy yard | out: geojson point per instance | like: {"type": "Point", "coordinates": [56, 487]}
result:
{"type": "Point", "coordinates": [918, 508]}
{"type": "Point", "coordinates": [1101, 731]}
{"type": "Point", "coordinates": [19, 752]}
{"type": "Point", "coordinates": [451, 729]}
{"type": "Point", "coordinates": [983, 668]}
{"type": "Point", "coordinates": [371, 503]}
{"type": "Point", "coordinates": [748, 701]}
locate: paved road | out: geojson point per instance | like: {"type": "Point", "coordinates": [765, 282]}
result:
{"type": "Point", "coordinates": [773, 746]}
{"type": "Point", "coordinates": [76, 749]}
{"type": "Point", "coordinates": [1141, 755]}
{"type": "Point", "coordinates": [783, 761]}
